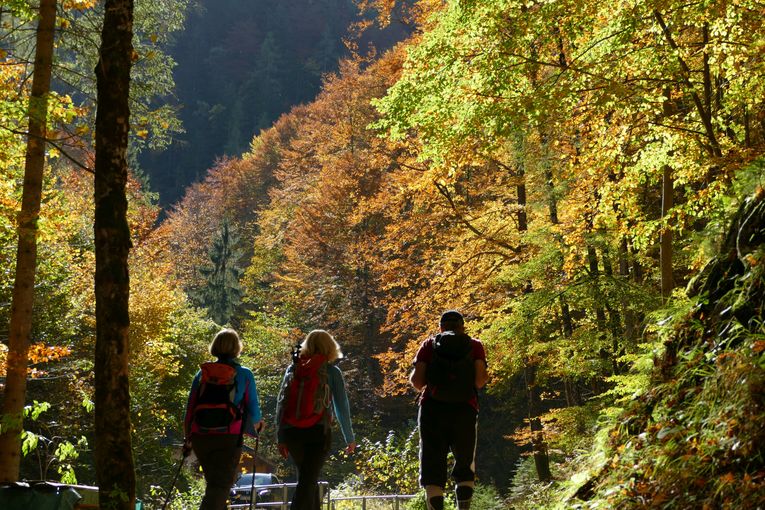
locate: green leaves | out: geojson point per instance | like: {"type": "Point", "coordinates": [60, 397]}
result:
{"type": "Point", "coordinates": [29, 441]}
{"type": "Point", "coordinates": [35, 410]}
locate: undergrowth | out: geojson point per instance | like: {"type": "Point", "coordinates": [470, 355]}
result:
{"type": "Point", "coordinates": [684, 429]}
{"type": "Point", "coordinates": [695, 439]}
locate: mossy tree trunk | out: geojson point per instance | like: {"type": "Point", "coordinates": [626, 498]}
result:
{"type": "Point", "coordinates": [113, 449]}
{"type": "Point", "coordinates": [20, 329]}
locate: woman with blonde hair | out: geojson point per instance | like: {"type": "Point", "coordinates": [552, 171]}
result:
{"type": "Point", "coordinates": [223, 406]}
{"type": "Point", "coordinates": [311, 396]}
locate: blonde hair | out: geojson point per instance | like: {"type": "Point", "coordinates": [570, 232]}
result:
{"type": "Point", "coordinates": [319, 341]}
{"type": "Point", "coordinates": [226, 344]}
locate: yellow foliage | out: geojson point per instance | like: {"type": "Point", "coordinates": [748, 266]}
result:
{"type": "Point", "coordinates": [79, 5]}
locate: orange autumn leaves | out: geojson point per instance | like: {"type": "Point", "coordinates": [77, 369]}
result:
{"type": "Point", "coordinates": [39, 354]}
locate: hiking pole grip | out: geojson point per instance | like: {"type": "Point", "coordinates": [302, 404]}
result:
{"type": "Point", "coordinates": [296, 353]}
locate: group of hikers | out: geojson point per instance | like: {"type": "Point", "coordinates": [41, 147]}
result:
{"type": "Point", "coordinates": [223, 405]}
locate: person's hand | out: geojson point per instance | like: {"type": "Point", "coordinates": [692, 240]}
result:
{"type": "Point", "coordinates": [350, 448]}
{"type": "Point", "coordinates": [283, 450]}
{"type": "Point", "coordinates": [186, 447]}
{"type": "Point", "coordinates": [260, 426]}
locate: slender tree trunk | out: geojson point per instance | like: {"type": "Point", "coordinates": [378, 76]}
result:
{"type": "Point", "coordinates": [113, 449]}
{"type": "Point", "coordinates": [541, 457]}
{"type": "Point", "coordinates": [568, 323]}
{"type": "Point", "coordinates": [523, 222]}
{"type": "Point", "coordinates": [630, 321]}
{"type": "Point", "coordinates": [614, 318]}
{"type": "Point", "coordinates": [539, 447]}
{"type": "Point", "coordinates": [570, 387]}
{"type": "Point", "coordinates": [26, 256]}
{"type": "Point", "coordinates": [637, 269]}
{"type": "Point", "coordinates": [592, 262]}
{"type": "Point", "coordinates": [552, 201]}
{"type": "Point", "coordinates": [667, 201]}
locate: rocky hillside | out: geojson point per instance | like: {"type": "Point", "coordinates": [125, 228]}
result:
{"type": "Point", "coordinates": [696, 438]}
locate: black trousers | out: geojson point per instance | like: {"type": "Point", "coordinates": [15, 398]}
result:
{"type": "Point", "coordinates": [218, 454]}
{"type": "Point", "coordinates": [309, 449]}
{"type": "Point", "coordinates": [443, 428]}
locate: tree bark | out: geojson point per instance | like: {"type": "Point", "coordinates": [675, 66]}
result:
{"type": "Point", "coordinates": [614, 319]}
{"type": "Point", "coordinates": [630, 321]}
{"type": "Point", "coordinates": [570, 387]}
{"type": "Point", "coordinates": [592, 262]}
{"type": "Point", "coordinates": [539, 446]}
{"type": "Point", "coordinates": [667, 201]}
{"type": "Point", "coordinates": [520, 189]}
{"type": "Point", "coordinates": [113, 449]}
{"type": "Point", "coordinates": [26, 257]}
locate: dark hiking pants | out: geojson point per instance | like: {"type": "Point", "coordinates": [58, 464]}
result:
{"type": "Point", "coordinates": [309, 449]}
{"type": "Point", "coordinates": [443, 428]}
{"type": "Point", "coordinates": [218, 455]}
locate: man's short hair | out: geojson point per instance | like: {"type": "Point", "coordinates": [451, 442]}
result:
{"type": "Point", "coordinates": [452, 318]}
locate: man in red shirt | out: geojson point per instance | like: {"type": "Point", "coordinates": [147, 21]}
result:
{"type": "Point", "coordinates": [448, 370]}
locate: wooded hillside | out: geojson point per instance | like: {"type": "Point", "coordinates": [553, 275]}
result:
{"type": "Point", "coordinates": [583, 181]}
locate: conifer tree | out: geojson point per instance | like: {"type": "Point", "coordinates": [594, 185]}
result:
{"type": "Point", "coordinates": [222, 294]}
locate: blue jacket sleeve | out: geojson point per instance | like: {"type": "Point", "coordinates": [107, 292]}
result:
{"type": "Point", "coordinates": [190, 404]}
{"type": "Point", "coordinates": [340, 403]}
{"type": "Point", "coordinates": [251, 402]}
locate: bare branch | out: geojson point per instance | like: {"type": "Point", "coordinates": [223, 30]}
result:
{"type": "Point", "coordinates": [461, 218]}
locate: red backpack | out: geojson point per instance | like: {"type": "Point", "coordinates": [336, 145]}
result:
{"type": "Point", "coordinates": [215, 407]}
{"type": "Point", "coordinates": [306, 393]}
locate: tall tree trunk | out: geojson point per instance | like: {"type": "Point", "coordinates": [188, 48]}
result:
{"type": "Point", "coordinates": [630, 321]}
{"type": "Point", "coordinates": [539, 446]}
{"type": "Point", "coordinates": [592, 262]}
{"type": "Point", "coordinates": [570, 387]}
{"type": "Point", "coordinates": [26, 255]}
{"type": "Point", "coordinates": [113, 449]}
{"type": "Point", "coordinates": [614, 318]}
{"type": "Point", "coordinates": [523, 221]}
{"type": "Point", "coordinates": [667, 201]}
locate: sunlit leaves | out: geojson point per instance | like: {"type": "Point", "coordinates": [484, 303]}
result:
{"type": "Point", "coordinates": [389, 466]}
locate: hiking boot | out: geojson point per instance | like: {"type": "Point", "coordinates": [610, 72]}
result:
{"type": "Point", "coordinates": [464, 494]}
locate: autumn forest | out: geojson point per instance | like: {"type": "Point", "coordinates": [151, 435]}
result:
{"type": "Point", "coordinates": [584, 181]}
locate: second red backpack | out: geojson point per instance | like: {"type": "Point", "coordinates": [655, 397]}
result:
{"type": "Point", "coordinates": [307, 396]}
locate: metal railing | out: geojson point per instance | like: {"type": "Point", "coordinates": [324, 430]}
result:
{"type": "Point", "coordinates": [396, 498]}
{"type": "Point", "coordinates": [282, 490]}
{"type": "Point", "coordinates": [282, 501]}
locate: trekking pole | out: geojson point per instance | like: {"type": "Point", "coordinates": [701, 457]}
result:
{"type": "Point", "coordinates": [175, 478]}
{"type": "Point", "coordinates": [254, 458]}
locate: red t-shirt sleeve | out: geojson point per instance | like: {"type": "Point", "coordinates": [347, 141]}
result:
{"type": "Point", "coordinates": [478, 351]}
{"type": "Point", "coordinates": [425, 352]}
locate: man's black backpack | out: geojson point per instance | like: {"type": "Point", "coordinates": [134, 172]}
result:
{"type": "Point", "coordinates": [450, 374]}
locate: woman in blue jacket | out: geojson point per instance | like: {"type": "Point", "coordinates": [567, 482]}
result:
{"type": "Point", "coordinates": [309, 444]}
{"type": "Point", "coordinates": [217, 446]}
